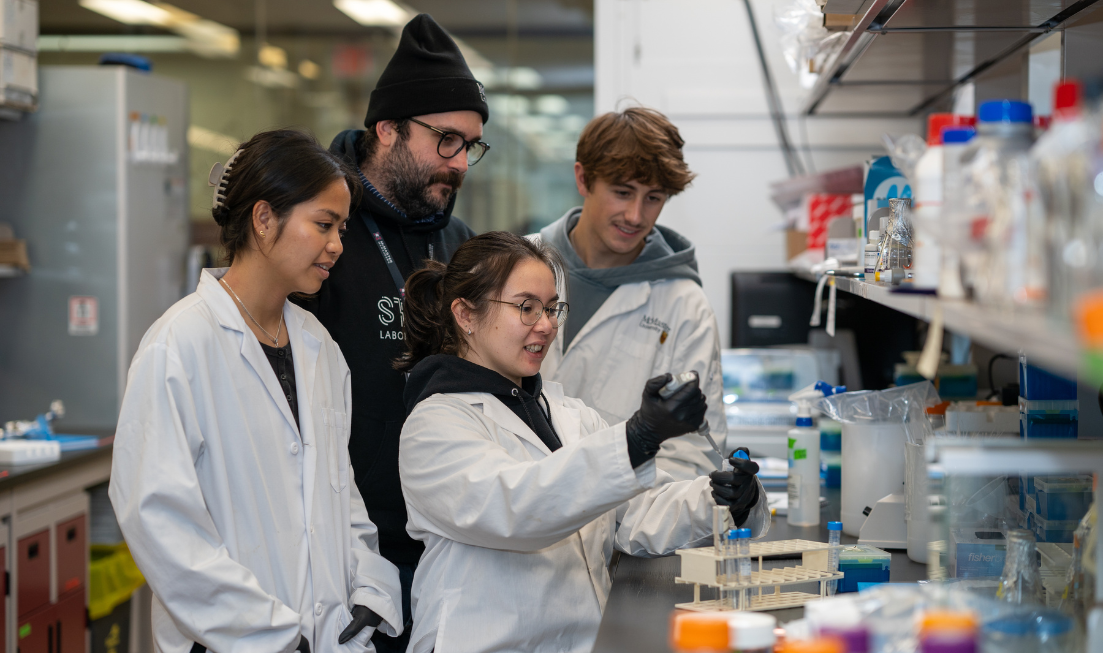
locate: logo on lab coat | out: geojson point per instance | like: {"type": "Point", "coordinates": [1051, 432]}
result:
{"type": "Point", "coordinates": [390, 315]}
{"type": "Point", "coordinates": [654, 323]}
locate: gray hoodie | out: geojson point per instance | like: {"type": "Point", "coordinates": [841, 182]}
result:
{"type": "Point", "coordinates": [666, 255]}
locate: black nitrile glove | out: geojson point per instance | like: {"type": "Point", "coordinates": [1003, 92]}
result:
{"type": "Point", "coordinates": [660, 419]}
{"type": "Point", "coordinates": [737, 489]}
{"type": "Point", "coordinates": [361, 616]}
{"type": "Point", "coordinates": [304, 645]}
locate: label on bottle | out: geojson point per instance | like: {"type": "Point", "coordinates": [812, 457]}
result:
{"type": "Point", "coordinates": [871, 260]}
{"type": "Point", "coordinates": [794, 491]}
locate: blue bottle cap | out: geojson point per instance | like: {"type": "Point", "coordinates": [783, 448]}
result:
{"type": "Point", "coordinates": [733, 534]}
{"type": "Point", "coordinates": [744, 533]}
{"type": "Point", "coordinates": [804, 421]}
{"type": "Point", "coordinates": [834, 526]}
{"type": "Point", "coordinates": [958, 135]}
{"type": "Point", "coordinates": [739, 453]}
{"type": "Point", "coordinates": [1005, 111]}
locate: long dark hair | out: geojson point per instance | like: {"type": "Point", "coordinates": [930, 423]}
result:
{"type": "Point", "coordinates": [478, 271]}
{"type": "Point", "coordinates": [283, 167]}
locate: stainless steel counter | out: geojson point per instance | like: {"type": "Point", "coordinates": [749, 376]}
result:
{"type": "Point", "coordinates": [637, 615]}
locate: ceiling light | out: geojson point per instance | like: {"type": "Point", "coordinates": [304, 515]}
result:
{"type": "Point", "coordinates": [272, 56]}
{"type": "Point", "coordinates": [131, 12]}
{"type": "Point", "coordinates": [383, 13]}
{"type": "Point", "coordinates": [309, 69]}
{"type": "Point", "coordinates": [204, 37]}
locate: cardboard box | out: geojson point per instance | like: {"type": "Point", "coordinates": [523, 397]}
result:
{"type": "Point", "coordinates": [13, 253]}
{"type": "Point", "coordinates": [795, 243]}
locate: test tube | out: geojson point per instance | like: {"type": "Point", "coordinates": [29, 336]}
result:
{"type": "Point", "coordinates": [743, 545]}
{"type": "Point", "coordinates": [834, 535]}
{"type": "Point", "coordinates": [728, 596]}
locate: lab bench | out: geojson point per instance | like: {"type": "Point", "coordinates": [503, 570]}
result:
{"type": "Point", "coordinates": [637, 615]}
{"type": "Point", "coordinates": [44, 532]}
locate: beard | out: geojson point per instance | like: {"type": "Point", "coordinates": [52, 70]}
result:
{"type": "Point", "coordinates": [407, 182]}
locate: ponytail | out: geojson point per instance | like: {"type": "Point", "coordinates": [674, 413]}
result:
{"type": "Point", "coordinates": [425, 327]}
{"type": "Point", "coordinates": [478, 271]}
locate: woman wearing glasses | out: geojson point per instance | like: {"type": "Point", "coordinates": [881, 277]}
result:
{"type": "Point", "coordinates": [520, 494]}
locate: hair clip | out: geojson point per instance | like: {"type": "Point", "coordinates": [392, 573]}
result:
{"type": "Point", "coordinates": [217, 178]}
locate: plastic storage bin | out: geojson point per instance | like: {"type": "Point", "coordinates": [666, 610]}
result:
{"type": "Point", "coordinates": [1048, 418]}
{"type": "Point", "coordinates": [1062, 497]}
{"type": "Point", "coordinates": [863, 565]}
{"type": "Point", "coordinates": [1054, 530]}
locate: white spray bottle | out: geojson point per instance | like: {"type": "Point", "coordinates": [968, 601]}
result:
{"type": "Point", "coordinates": [804, 457]}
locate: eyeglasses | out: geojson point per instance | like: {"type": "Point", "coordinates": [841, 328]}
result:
{"type": "Point", "coordinates": [532, 308]}
{"type": "Point", "coordinates": [452, 144]}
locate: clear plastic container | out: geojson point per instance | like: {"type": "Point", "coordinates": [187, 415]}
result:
{"type": "Point", "coordinates": [743, 565]}
{"type": "Point", "coordinates": [1063, 498]}
{"type": "Point", "coordinates": [1021, 582]}
{"type": "Point", "coordinates": [863, 565]}
{"type": "Point", "coordinates": [1006, 261]}
{"type": "Point", "coordinates": [834, 537]}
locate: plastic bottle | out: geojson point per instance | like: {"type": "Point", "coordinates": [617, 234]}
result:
{"type": "Point", "coordinates": [948, 632]}
{"type": "Point", "coordinates": [1062, 163]}
{"type": "Point", "coordinates": [870, 254]}
{"type": "Point", "coordinates": [834, 538]}
{"type": "Point", "coordinates": [700, 632]}
{"type": "Point", "coordinates": [804, 457]}
{"type": "Point", "coordinates": [927, 201]}
{"type": "Point", "coordinates": [751, 632]}
{"type": "Point", "coordinates": [1021, 581]}
{"type": "Point", "coordinates": [855, 638]}
{"type": "Point", "coordinates": [1007, 264]}
{"type": "Point", "coordinates": [743, 548]}
{"type": "Point", "coordinates": [953, 211]}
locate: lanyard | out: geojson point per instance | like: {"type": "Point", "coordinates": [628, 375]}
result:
{"type": "Point", "coordinates": [399, 282]}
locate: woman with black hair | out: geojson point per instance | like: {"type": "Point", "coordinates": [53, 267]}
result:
{"type": "Point", "coordinates": [230, 476]}
{"type": "Point", "coordinates": [519, 493]}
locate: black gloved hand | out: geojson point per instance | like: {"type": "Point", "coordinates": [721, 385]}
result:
{"type": "Point", "coordinates": [738, 489]}
{"type": "Point", "coordinates": [660, 419]}
{"type": "Point", "coordinates": [304, 645]}
{"type": "Point", "coordinates": [361, 616]}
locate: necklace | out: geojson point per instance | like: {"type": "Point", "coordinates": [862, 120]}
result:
{"type": "Point", "coordinates": [276, 340]}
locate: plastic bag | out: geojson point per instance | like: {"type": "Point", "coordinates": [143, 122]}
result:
{"type": "Point", "coordinates": [806, 44]}
{"type": "Point", "coordinates": [905, 405]}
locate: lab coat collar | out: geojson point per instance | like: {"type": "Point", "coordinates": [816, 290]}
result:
{"type": "Point", "coordinates": [501, 415]}
{"type": "Point", "coordinates": [305, 347]}
{"type": "Point", "coordinates": [624, 299]}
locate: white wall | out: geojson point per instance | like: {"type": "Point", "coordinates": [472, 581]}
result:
{"type": "Point", "coordinates": [696, 61]}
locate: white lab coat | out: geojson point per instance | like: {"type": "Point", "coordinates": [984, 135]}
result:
{"type": "Point", "coordinates": [643, 330]}
{"type": "Point", "coordinates": [518, 539]}
{"type": "Point", "coordinates": [247, 531]}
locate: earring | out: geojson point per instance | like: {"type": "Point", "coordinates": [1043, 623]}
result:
{"type": "Point", "coordinates": [262, 234]}
{"type": "Point", "coordinates": [469, 331]}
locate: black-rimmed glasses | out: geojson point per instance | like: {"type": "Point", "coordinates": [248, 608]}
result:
{"type": "Point", "coordinates": [452, 144]}
{"type": "Point", "coordinates": [530, 311]}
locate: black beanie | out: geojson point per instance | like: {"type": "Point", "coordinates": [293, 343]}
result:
{"type": "Point", "coordinates": [427, 74]}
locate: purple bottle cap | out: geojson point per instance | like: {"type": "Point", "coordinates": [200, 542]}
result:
{"type": "Point", "coordinates": [949, 642]}
{"type": "Point", "coordinates": [855, 638]}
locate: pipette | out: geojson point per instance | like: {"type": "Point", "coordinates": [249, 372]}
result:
{"type": "Point", "coordinates": [676, 384]}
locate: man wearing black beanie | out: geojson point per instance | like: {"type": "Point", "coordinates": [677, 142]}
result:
{"type": "Point", "coordinates": [424, 125]}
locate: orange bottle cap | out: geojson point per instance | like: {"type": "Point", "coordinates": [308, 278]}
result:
{"type": "Point", "coordinates": [699, 632]}
{"type": "Point", "coordinates": [943, 620]}
{"type": "Point", "coordinates": [819, 645]}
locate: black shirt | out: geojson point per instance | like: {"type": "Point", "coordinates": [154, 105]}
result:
{"type": "Point", "coordinates": [362, 310]}
{"type": "Point", "coordinates": [284, 367]}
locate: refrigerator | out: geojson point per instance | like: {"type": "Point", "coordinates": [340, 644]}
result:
{"type": "Point", "coordinates": [96, 182]}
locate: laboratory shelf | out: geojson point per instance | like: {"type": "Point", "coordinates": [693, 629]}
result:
{"type": "Point", "coordinates": [921, 50]}
{"type": "Point", "coordinates": [1047, 342]}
